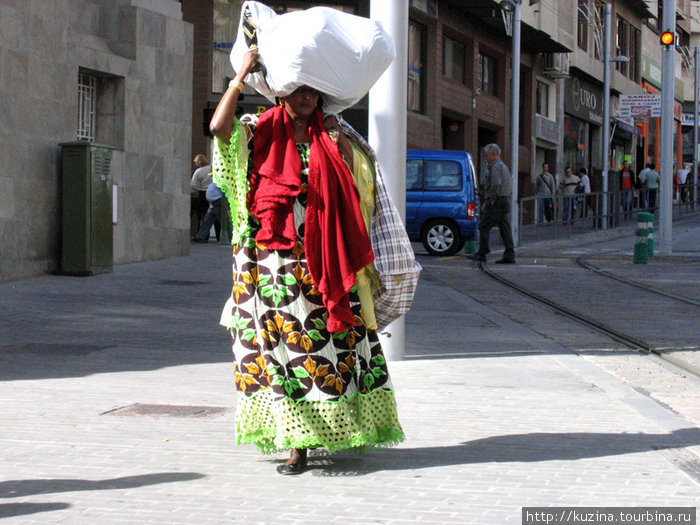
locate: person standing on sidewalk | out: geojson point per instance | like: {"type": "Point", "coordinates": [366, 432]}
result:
{"type": "Point", "coordinates": [653, 186]}
{"type": "Point", "coordinates": [201, 179]}
{"type": "Point", "coordinates": [642, 184]}
{"type": "Point", "coordinates": [628, 181]}
{"type": "Point", "coordinates": [586, 191]}
{"type": "Point", "coordinates": [568, 187]}
{"type": "Point", "coordinates": [545, 188]}
{"type": "Point", "coordinates": [212, 217]}
{"type": "Point", "coordinates": [682, 182]}
{"type": "Point", "coordinates": [496, 189]}
{"type": "Point", "coordinates": [309, 368]}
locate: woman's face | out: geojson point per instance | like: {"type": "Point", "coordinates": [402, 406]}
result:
{"type": "Point", "coordinates": [302, 102]}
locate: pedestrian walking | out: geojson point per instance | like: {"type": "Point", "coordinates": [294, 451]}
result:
{"type": "Point", "coordinates": [545, 188]}
{"type": "Point", "coordinates": [496, 189]}
{"type": "Point", "coordinates": [303, 312]}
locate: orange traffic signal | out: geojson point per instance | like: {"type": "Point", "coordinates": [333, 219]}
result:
{"type": "Point", "coordinates": [667, 38]}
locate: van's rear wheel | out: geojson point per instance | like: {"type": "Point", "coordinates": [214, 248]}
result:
{"type": "Point", "coordinates": [441, 237]}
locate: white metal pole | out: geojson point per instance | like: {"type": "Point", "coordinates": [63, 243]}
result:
{"type": "Point", "coordinates": [695, 127]}
{"type": "Point", "coordinates": [606, 111]}
{"type": "Point", "coordinates": [665, 193]}
{"type": "Point", "coordinates": [387, 132]}
{"type": "Point", "coordinates": [515, 122]}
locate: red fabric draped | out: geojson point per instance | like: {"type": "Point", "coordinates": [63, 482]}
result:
{"type": "Point", "coordinates": [336, 241]}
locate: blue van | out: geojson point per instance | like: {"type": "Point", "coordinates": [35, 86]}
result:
{"type": "Point", "coordinates": [442, 208]}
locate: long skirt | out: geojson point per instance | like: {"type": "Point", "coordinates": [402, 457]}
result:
{"type": "Point", "coordinates": [299, 386]}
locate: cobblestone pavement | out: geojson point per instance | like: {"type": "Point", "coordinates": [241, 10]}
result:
{"type": "Point", "coordinates": [497, 415]}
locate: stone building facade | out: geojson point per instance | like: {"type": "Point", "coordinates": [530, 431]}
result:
{"type": "Point", "coordinates": [126, 67]}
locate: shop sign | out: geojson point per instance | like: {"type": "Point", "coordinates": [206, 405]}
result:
{"type": "Point", "coordinates": [546, 129]}
{"type": "Point", "coordinates": [688, 119]}
{"type": "Point", "coordinates": [651, 71]}
{"type": "Point", "coordinates": [640, 105]}
{"type": "Point", "coordinates": [584, 100]}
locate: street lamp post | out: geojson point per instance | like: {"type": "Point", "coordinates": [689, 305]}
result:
{"type": "Point", "coordinates": [607, 51]}
{"type": "Point", "coordinates": [695, 127]}
{"type": "Point", "coordinates": [606, 111]}
{"type": "Point", "coordinates": [514, 7]}
{"type": "Point", "coordinates": [666, 133]}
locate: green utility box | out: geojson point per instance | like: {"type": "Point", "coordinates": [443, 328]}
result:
{"type": "Point", "coordinates": [87, 208]}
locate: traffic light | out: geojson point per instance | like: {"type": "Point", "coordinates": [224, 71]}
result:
{"type": "Point", "coordinates": [667, 38]}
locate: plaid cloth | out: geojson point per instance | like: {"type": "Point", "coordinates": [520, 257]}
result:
{"type": "Point", "coordinates": [393, 255]}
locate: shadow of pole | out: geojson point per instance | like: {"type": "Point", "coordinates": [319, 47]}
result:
{"type": "Point", "coordinates": [517, 448]}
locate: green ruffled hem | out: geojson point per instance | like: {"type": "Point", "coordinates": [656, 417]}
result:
{"type": "Point", "coordinates": [265, 441]}
{"type": "Point", "coordinates": [361, 422]}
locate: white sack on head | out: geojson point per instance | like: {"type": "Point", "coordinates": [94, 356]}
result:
{"type": "Point", "coordinates": [339, 54]}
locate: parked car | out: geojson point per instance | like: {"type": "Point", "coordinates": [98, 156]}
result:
{"type": "Point", "coordinates": [442, 208]}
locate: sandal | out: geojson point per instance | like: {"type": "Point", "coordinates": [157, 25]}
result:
{"type": "Point", "coordinates": [299, 465]}
{"type": "Point", "coordinates": [291, 470]}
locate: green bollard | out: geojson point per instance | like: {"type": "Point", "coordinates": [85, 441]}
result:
{"type": "Point", "coordinates": [470, 247]}
{"type": "Point", "coordinates": [640, 246]}
{"type": "Point", "coordinates": [645, 220]}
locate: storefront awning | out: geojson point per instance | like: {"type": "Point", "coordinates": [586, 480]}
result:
{"type": "Point", "coordinates": [623, 126]}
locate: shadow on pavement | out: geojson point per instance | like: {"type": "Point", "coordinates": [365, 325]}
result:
{"type": "Point", "coordinates": [9, 510]}
{"type": "Point", "coordinates": [32, 487]}
{"type": "Point", "coordinates": [517, 448]}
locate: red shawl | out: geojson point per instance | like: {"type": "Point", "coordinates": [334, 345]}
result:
{"type": "Point", "coordinates": [336, 241]}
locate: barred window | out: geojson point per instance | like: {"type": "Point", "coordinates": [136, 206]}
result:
{"type": "Point", "coordinates": [87, 97]}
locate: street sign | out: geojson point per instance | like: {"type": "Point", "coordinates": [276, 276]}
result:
{"type": "Point", "coordinates": [640, 106]}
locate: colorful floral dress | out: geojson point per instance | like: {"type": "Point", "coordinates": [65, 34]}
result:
{"type": "Point", "coordinates": [298, 386]}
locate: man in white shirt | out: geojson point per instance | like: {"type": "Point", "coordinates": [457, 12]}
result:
{"type": "Point", "coordinates": [682, 181]}
{"type": "Point", "coordinates": [642, 181]}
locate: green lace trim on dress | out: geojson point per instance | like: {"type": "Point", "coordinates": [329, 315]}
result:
{"type": "Point", "coordinates": [230, 173]}
{"type": "Point", "coordinates": [361, 422]}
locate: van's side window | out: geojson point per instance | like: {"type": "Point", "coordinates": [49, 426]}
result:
{"type": "Point", "coordinates": [414, 175]}
{"type": "Point", "coordinates": [442, 175]}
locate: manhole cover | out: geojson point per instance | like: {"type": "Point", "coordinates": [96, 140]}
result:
{"type": "Point", "coordinates": [52, 349]}
{"type": "Point", "coordinates": [165, 411]}
{"type": "Point", "coordinates": [173, 282]}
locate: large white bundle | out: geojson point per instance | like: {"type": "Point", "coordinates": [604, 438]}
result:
{"type": "Point", "coordinates": [339, 54]}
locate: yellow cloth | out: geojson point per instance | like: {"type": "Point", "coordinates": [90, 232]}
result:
{"type": "Point", "coordinates": [368, 278]}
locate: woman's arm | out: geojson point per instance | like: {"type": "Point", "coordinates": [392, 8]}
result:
{"type": "Point", "coordinates": [221, 124]}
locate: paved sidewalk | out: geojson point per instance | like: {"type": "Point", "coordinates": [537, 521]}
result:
{"type": "Point", "coordinates": [514, 421]}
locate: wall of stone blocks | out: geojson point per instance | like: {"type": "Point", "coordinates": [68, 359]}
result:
{"type": "Point", "coordinates": [141, 52]}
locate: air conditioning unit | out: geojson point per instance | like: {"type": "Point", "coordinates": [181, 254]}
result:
{"type": "Point", "coordinates": [556, 65]}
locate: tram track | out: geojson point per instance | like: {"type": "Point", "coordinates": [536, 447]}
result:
{"type": "Point", "coordinates": [633, 343]}
{"type": "Point", "coordinates": [583, 263]}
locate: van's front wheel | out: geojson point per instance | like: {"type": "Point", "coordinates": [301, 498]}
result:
{"type": "Point", "coordinates": [441, 237]}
